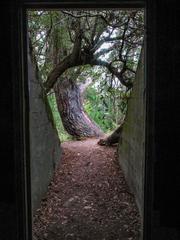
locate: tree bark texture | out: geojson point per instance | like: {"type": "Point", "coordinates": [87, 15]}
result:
{"type": "Point", "coordinates": [113, 138]}
{"type": "Point", "coordinates": [70, 106]}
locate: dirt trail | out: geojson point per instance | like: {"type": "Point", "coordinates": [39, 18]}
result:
{"type": "Point", "coordinates": [88, 198]}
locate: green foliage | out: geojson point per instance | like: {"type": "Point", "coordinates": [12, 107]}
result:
{"type": "Point", "coordinates": [53, 35]}
{"type": "Point", "coordinates": [105, 108]}
{"type": "Point", "coordinates": [63, 135]}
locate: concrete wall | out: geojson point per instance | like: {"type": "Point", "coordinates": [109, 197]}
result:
{"type": "Point", "coordinates": [131, 148]}
{"type": "Point", "coordinates": [45, 148]}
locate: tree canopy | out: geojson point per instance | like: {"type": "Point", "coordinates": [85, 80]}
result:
{"type": "Point", "coordinates": [66, 39]}
{"type": "Point", "coordinates": [100, 45]}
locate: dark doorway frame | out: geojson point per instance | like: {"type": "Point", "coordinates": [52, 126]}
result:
{"type": "Point", "coordinates": [21, 105]}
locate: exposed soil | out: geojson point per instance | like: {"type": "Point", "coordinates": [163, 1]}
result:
{"type": "Point", "coordinates": [88, 198]}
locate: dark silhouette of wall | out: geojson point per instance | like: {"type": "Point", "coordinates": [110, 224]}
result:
{"type": "Point", "coordinates": [166, 172]}
{"type": "Point", "coordinates": [8, 222]}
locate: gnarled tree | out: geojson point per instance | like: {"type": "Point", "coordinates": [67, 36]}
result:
{"type": "Point", "coordinates": [75, 120]}
{"type": "Point", "coordinates": [64, 41]}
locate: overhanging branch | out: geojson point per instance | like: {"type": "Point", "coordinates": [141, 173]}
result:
{"type": "Point", "coordinates": [114, 71]}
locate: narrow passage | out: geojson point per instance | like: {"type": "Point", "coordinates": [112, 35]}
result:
{"type": "Point", "coordinates": [88, 198]}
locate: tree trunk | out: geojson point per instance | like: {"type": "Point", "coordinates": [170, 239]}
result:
{"type": "Point", "coordinates": [70, 106]}
{"type": "Point", "coordinates": [113, 138]}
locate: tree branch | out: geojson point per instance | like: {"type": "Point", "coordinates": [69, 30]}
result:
{"type": "Point", "coordinates": [77, 45]}
{"type": "Point", "coordinates": [56, 72]}
{"type": "Point", "coordinates": [114, 71]}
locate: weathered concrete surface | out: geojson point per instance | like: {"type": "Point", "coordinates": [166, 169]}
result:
{"type": "Point", "coordinates": [45, 151]}
{"type": "Point", "coordinates": [131, 148]}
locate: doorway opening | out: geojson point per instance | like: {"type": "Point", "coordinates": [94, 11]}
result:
{"type": "Point", "coordinates": [86, 83]}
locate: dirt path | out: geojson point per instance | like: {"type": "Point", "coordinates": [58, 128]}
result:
{"type": "Point", "coordinates": [88, 198]}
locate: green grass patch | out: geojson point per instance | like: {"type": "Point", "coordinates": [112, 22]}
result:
{"type": "Point", "coordinates": [63, 135]}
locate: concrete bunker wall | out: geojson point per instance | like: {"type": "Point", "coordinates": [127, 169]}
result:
{"type": "Point", "coordinates": [131, 148]}
{"type": "Point", "coordinates": [45, 151]}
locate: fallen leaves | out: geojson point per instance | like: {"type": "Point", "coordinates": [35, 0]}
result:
{"type": "Point", "coordinates": [88, 198]}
